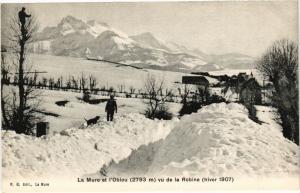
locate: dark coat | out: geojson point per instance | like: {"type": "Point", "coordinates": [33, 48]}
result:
{"type": "Point", "coordinates": [111, 106]}
{"type": "Point", "coordinates": [22, 16]}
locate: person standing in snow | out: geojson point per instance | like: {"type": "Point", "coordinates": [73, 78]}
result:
{"type": "Point", "coordinates": [110, 108]}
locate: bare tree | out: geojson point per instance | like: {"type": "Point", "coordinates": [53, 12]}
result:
{"type": "Point", "coordinates": [184, 93]}
{"type": "Point", "coordinates": [83, 82]}
{"type": "Point", "coordinates": [280, 66]}
{"type": "Point", "coordinates": [4, 100]}
{"type": "Point", "coordinates": [51, 83]}
{"type": "Point", "coordinates": [5, 70]}
{"type": "Point", "coordinates": [156, 104]}
{"type": "Point", "coordinates": [74, 83]}
{"type": "Point", "coordinates": [111, 89]}
{"type": "Point", "coordinates": [45, 81]}
{"type": "Point", "coordinates": [121, 88]}
{"type": "Point", "coordinates": [92, 82]}
{"type": "Point", "coordinates": [131, 90]}
{"type": "Point", "coordinates": [68, 83]}
{"type": "Point", "coordinates": [21, 117]}
{"type": "Point", "coordinates": [170, 95]}
{"type": "Point", "coordinates": [61, 82]}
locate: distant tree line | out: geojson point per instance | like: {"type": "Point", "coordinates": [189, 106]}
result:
{"type": "Point", "coordinates": [86, 84]}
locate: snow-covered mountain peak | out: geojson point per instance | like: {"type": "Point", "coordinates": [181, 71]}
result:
{"type": "Point", "coordinates": [144, 49]}
{"type": "Point", "coordinates": [95, 28]}
{"type": "Point", "coordinates": [69, 19]}
{"type": "Point", "coordinates": [95, 23]}
{"type": "Point", "coordinates": [151, 41]}
{"type": "Point", "coordinates": [70, 24]}
{"type": "Point", "coordinates": [72, 21]}
{"type": "Point", "coordinates": [147, 35]}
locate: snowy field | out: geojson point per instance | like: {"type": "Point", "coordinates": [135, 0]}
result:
{"type": "Point", "coordinates": [107, 74]}
{"type": "Point", "coordinates": [220, 139]}
{"type": "Point", "coordinates": [75, 111]}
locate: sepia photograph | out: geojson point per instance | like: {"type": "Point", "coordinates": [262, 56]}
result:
{"type": "Point", "coordinates": [149, 96]}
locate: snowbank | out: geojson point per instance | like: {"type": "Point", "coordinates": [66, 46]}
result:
{"type": "Point", "coordinates": [218, 140]}
{"type": "Point", "coordinates": [268, 115]}
{"type": "Point", "coordinates": [75, 152]}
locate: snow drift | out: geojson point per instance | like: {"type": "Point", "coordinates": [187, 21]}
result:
{"type": "Point", "coordinates": [218, 140]}
{"type": "Point", "coordinates": [75, 152]}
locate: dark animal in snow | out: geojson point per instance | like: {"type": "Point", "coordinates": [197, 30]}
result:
{"type": "Point", "coordinates": [61, 103]}
{"type": "Point", "coordinates": [92, 121]}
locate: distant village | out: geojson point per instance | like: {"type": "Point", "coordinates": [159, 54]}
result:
{"type": "Point", "coordinates": [244, 85]}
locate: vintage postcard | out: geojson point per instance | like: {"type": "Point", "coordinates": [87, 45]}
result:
{"type": "Point", "coordinates": [149, 96]}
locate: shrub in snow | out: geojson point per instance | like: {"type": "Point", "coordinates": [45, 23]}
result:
{"type": "Point", "coordinates": [156, 102]}
{"type": "Point", "coordinates": [190, 107]}
{"type": "Point", "coordinates": [216, 99]}
{"type": "Point", "coordinates": [86, 96]}
{"type": "Point", "coordinates": [161, 113]}
{"type": "Point", "coordinates": [195, 105]}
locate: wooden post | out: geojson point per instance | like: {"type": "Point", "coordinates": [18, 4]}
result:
{"type": "Point", "coordinates": [42, 128]}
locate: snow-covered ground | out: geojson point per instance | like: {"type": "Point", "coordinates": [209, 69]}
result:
{"type": "Point", "coordinates": [218, 140]}
{"type": "Point", "coordinates": [269, 115]}
{"type": "Point", "coordinates": [107, 74]}
{"type": "Point", "coordinates": [75, 152]}
{"type": "Point", "coordinates": [74, 112]}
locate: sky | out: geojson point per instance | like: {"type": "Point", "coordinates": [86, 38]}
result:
{"type": "Point", "coordinates": [247, 27]}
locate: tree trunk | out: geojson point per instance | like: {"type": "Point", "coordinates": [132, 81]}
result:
{"type": "Point", "coordinates": [4, 116]}
{"type": "Point", "coordinates": [19, 128]}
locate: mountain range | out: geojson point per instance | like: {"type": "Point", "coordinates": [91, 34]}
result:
{"type": "Point", "coordinates": [77, 38]}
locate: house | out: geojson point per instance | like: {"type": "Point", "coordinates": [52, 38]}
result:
{"type": "Point", "coordinates": [250, 92]}
{"type": "Point", "coordinates": [202, 85]}
{"type": "Point", "coordinates": [195, 80]}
